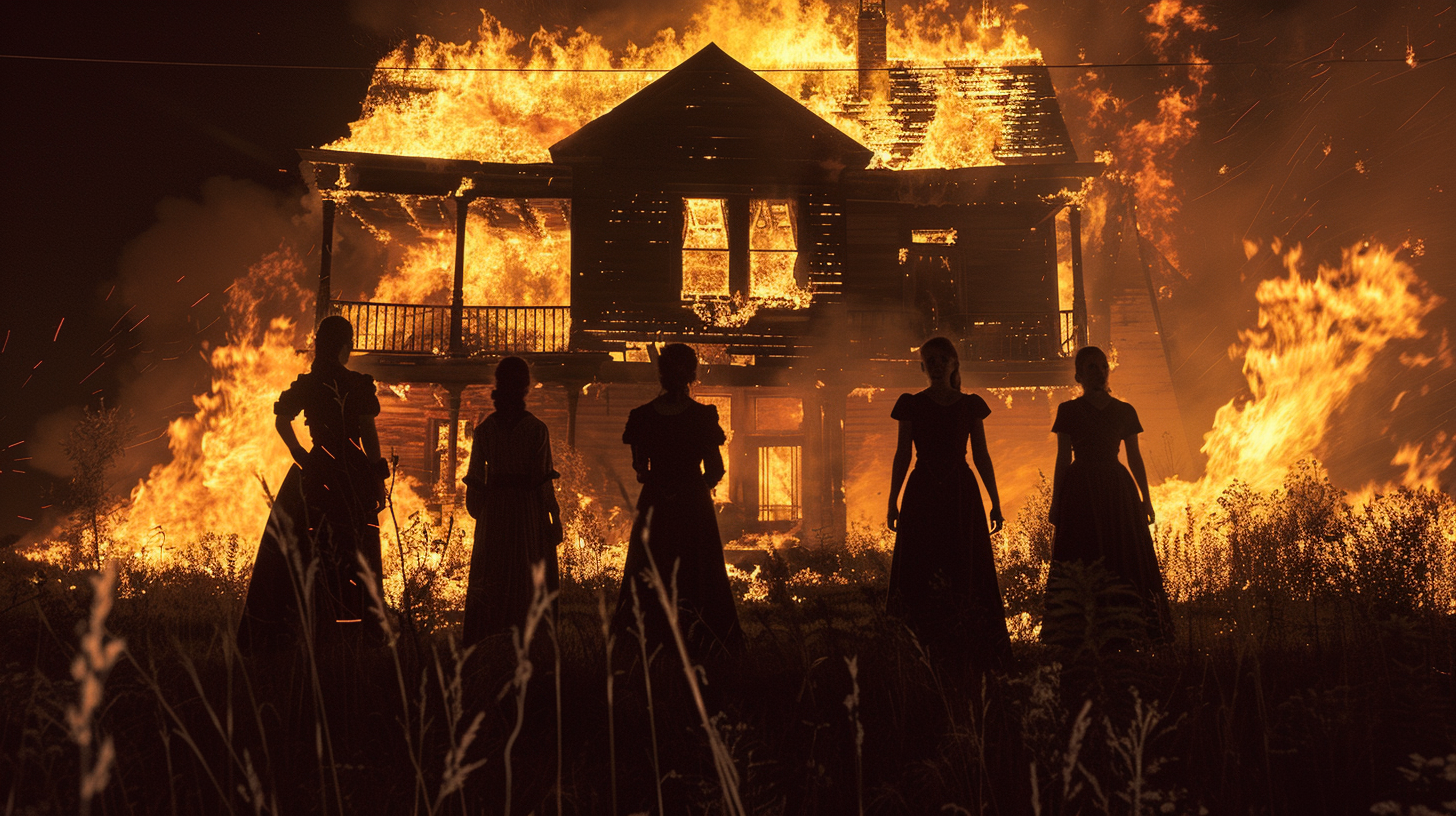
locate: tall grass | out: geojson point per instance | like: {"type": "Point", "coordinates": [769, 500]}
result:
{"type": "Point", "coordinates": [1314, 654]}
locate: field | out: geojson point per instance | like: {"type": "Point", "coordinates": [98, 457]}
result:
{"type": "Point", "coordinates": [1311, 673]}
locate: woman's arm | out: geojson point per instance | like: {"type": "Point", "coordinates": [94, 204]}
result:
{"type": "Point", "coordinates": [639, 463]}
{"type": "Point", "coordinates": [1140, 475]}
{"type": "Point", "coordinates": [554, 530]}
{"type": "Point", "coordinates": [1064, 458]}
{"type": "Point", "coordinates": [713, 469]}
{"type": "Point", "coordinates": [898, 468]}
{"type": "Point", "coordinates": [284, 425]}
{"type": "Point", "coordinates": [475, 478]}
{"type": "Point", "coordinates": [981, 455]}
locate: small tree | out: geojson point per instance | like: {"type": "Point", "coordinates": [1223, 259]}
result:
{"type": "Point", "coordinates": [93, 446]}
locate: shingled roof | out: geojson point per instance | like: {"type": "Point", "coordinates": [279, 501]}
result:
{"type": "Point", "coordinates": [710, 109]}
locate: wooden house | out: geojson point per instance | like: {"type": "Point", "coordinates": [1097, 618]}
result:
{"type": "Point", "coordinates": [711, 208]}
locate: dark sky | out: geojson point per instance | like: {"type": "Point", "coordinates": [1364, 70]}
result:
{"type": "Point", "coordinates": [92, 149]}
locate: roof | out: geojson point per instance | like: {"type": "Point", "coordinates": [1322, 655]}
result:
{"type": "Point", "coordinates": [710, 109]}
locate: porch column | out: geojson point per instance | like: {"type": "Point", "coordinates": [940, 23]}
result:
{"type": "Point", "coordinates": [324, 303]}
{"type": "Point", "coordinates": [457, 296]}
{"type": "Point", "coordinates": [1079, 290]}
{"type": "Point", "coordinates": [452, 454]}
{"type": "Point", "coordinates": [573, 398]}
{"type": "Point", "coordinates": [739, 220]}
{"type": "Point", "coordinates": [834, 399]}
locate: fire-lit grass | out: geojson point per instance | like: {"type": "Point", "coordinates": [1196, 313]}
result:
{"type": "Point", "coordinates": [1306, 671]}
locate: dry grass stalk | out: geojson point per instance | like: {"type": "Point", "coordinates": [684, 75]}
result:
{"type": "Point", "coordinates": [94, 660]}
{"type": "Point", "coordinates": [647, 659]}
{"type": "Point", "coordinates": [608, 640]}
{"type": "Point", "coordinates": [722, 759]}
{"type": "Point", "coordinates": [851, 702]}
{"type": "Point", "coordinates": [521, 638]}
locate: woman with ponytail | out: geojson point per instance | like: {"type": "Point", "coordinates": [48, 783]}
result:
{"type": "Point", "coordinates": [1101, 512]}
{"type": "Point", "coordinates": [327, 509]}
{"type": "Point", "coordinates": [675, 441]}
{"type": "Point", "coordinates": [509, 490]}
{"type": "Point", "coordinates": [943, 574]}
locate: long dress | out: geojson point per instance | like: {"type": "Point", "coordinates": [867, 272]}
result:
{"type": "Point", "coordinates": [676, 520]}
{"type": "Point", "coordinates": [324, 513]}
{"type": "Point", "coordinates": [510, 463]}
{"type": "Point", "coordinates": [1100, 514]}
{"type": "Point", "coordinates": [943, 574]}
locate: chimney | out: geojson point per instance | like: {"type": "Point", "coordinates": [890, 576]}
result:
{"type": "Point", "coordinates": [873, 59]}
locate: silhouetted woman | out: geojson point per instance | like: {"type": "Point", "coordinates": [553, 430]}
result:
{"type": "Point", "coordinates": [943, 576]}
{"type": "Point", "coordinates": [327, 509]}
{"type": "Point", "coordinates": [675, 442]}
{"type": "Point", "coordinates": [509, 489]}
{"type": "Point", "coordinates": [1101, 512]}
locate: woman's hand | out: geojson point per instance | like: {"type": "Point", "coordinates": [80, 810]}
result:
{"type": "Point", "coordinates": [997, 520]}
{"type": "Point", "coordinates": [1149, 512]}
{"type": "Point", "coordinates": [1053, 513]}
{"type": "Point", "coordinates": [892, 518]}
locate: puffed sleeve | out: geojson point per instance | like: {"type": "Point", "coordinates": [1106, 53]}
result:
{"type": "Point", "coordinates": [977, 406]}
{"type": "Point", "coordinates": [1063, 423]}
{"type": "Point", "coordinates": [291, 401]}
{"type": "Point", "coordinates": [715, 434]}
{"type": "Point", "coordinates": [636, 431]}
{"type": "Point", "coordinates": [366, 395]}
{"type": "Point", "coordinates": [904, 408]}
{"type": "Point", "coordinates": [1132, 426]}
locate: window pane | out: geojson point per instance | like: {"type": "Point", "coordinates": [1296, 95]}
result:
{"type": "Point", "coordinates": [705, 272]}
{"type": "Point", "coordinates": [771, 224]}
{"type": "Point", "coordinates": [778, 413]}
{"type": "Point", "coordinates": [771, 275]}
{"type": "Point", "coordinates": [705, 223]}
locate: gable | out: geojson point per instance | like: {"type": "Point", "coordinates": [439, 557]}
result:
{"type": "Point", "coordinates": [710, 109]}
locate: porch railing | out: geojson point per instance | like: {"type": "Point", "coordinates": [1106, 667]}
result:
{"type": "Point", "coordinates": [405, 328]}
{"type": "Point", "coordinates": [986, 337]}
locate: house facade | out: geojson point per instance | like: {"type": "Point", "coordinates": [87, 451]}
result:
{"type": "Point", "coordinates": [713, 209]}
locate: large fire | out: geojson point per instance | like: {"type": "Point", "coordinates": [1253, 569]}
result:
{"type": "Point", "coordinates": [505, 97]}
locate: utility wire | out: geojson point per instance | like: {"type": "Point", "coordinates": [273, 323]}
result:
{"type": "Point", "coordinates": [809, 69]}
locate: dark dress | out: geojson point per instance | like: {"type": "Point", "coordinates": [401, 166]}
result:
{"type": "Point", "coordinates": [510, 462]}
{"type": "Point", "coordinates": [1100, 515]}
{"type": "Point", "coordinates": [943, 576]}
{"type": "Point", "coordinates": [683, 465]}
{"type": "Point", "coordinates": [324, 512]}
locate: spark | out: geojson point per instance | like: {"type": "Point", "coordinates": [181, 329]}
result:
{"type": "Point", "coordinates": [93, 371]}
{"type": "Point", "coordinates": [7, 342]}
{"type": "Point", "coordinates": [57, 335]}
{"type": "Point", "coordinates": [199, 300]}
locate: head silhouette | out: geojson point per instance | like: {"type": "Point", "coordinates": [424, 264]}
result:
{"type": "Point", "coordinates": [1092, 368]}
{"type": "Point", "coordinates": [939, 359]}
{"type": "Point", "coordinates": [512, 381]}
{"type": "Point", "coordinates": [677, 368]}
{"type": "Point", "coordinates": [332, 341]}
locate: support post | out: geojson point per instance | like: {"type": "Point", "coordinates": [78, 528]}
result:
{"type": "Point", "coordinates": [457, 295]}
{"type": "Point", "coordinates": [325, 300]}
{"type": "Point", "coordinates": [1079, 289]}
{"type": "Point", "coordinates": [573, 398]}
{"type": "Point", "coordinates": [452, 454]}
{"type": "Point", "coordinates": [834, 399]}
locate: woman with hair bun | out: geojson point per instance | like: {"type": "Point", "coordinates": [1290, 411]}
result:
{"type": "Point", "coordinates": [327, 510]}
{"type": "Point", "coordinates": [943, 574]}
{"type": "Point", "coordinates": [510, 492]}
{"type": "Point", "coordinates": [1101, 511]}
{"type": "Point", "coordinates": [675, 441]}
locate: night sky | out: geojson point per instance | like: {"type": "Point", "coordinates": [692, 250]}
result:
{"type": "Point", "coordinates": [99, 154]}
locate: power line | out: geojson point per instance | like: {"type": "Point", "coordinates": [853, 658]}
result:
{"type": "Point", "coordinates": [805, 69]}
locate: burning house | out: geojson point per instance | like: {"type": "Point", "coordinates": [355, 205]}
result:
{"type": "Point", "coordinates": [712, 208]}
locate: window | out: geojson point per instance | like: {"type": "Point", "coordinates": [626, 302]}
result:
{"type": "Point", "coordinates": [713, 263]}
{"type": "Point", "coordinates": [779, 483]}
{"type": "Point", "coordinates": [705, 247]}
{"type": "Point", "coordinates": [772, 248]}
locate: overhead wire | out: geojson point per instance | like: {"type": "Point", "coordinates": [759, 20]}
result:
{"type": "Point", "coordinates": [802, 69]}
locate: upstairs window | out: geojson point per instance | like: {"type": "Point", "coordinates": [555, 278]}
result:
{"type": "Point", "coordinates": [773, 248]}
{"type": "Point", "coordinates": [705, 248]}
